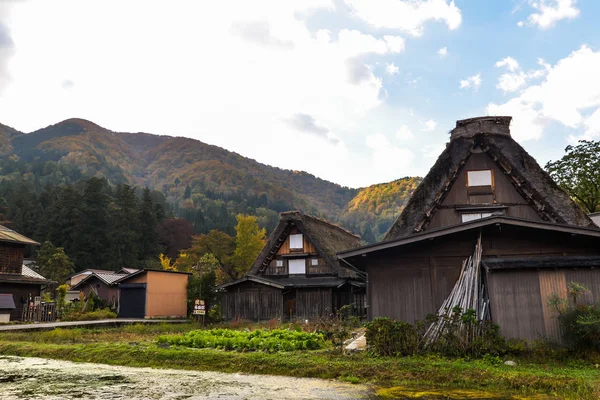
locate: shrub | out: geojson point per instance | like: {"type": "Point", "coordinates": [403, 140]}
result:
{"type": "Point", "coordinates": [386, 337]}
{"type": "Point", "coordinates": [258, 340]}
{"type": "Point", "coordinates": [581, 328]}
{"type": "Point", "coordinates": [462, 335]}
{"type": "Point", "coordinates": [76, 315]}
{"type": "Point", "coordinates": [337, 327]}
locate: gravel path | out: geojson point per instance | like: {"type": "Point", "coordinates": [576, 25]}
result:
{"type": "Point", "coordinates": [31, 378]}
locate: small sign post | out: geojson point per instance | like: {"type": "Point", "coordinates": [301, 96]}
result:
{"type": "Point", "coordinates": [199, 309]}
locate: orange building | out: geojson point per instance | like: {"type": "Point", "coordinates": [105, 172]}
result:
{"type": "Point", "coordinates": [153, 294]}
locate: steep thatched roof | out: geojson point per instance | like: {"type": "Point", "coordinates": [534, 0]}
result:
{"type": "Point", "coordinates": [492, 135]}
{"type": "Point", "coordinates": [328, 239]}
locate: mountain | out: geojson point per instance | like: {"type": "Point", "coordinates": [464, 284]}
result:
{"type": "Point", "coordinates": [193, 175]}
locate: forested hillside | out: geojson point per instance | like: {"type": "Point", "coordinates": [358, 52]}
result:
{"type": "Point", "coordinates": [204, 184]}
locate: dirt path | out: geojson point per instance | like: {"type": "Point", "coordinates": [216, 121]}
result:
{"type": "Point", "coordinates": [30, 378]}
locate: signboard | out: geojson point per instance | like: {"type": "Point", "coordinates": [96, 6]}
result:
{"type": "Point", "coordinates": [199, 307]}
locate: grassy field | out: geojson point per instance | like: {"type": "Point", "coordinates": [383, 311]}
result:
{"type": "Point", "coordinates": [407, 377]}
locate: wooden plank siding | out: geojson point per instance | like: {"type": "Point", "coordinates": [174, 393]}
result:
{"type": "Point", "coordinates": [313, 303]}
{"type": "Point", "coordinates": [516, 304]}
{"type": "Point", "coordinates": [308, 247]}
{"type": "Point", "coordinates": [11, 258]}
{"type": "Point", "coordinates": [321, 269]}
{"type": "Point", "coordinates": [519, 299]}
{"type": "Point", "coordinates": [411, 281]}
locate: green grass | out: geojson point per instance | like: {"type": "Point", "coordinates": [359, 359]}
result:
{"type": "Point", "coordinates": [137, 346]}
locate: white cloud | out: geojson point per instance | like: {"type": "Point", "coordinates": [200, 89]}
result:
{"type": "Point", "coordinates": [404, 133]}
{"type": "Point", "coordinates": [526, 124]}
{"type": "Point", "coordinates": [509, 63]}
{"type": "Point", "coordinates": [549, 12]}
{"type": "Point", "coordinates": [394, 43]}
{"type": "Point", "coordinates": [520, 24]}
{"type": "Point", "coordinates": [471, 82]}
{"type": "Point", "coordinates": [429, 125]}
{"type": "Point", "coordinates": [391, 69]}
{"type": "Point", "coordinates": [215, 76]}
{"type": "Point", "coordinates": [517, 78]}
{"type": "Point", "coordinates": [389, 161]}
{"type": "Point", "coordinates": [569, 95]}
{"type": "Point", "coordinates": [407, 16]}
{"type": "Point", "coordinates": [443, 52]}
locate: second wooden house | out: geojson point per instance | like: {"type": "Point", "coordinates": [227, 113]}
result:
{"type": "Point", "coordinates": [297, 274]}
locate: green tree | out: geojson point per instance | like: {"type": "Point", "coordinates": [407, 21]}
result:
{"type": "Point", "coordinates": [53, 263]}
{"type": "Point", "coordinates": [249, 241]}
{"type": "Point", "coordinates": [578, 173]}
{"type": "Point", "coordinates": [125, 235]}
{"type": "Point", "coordinates": [148, 223]}
{"type": "Point", "coordinates": [91, 238]}
{"type": "Point", "coordinates": [221, 246]}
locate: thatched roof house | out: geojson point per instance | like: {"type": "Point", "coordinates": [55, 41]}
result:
{"type": "Point", "coordinates": [535, 238]}
{"type": "Point", "coordinates": [297, 273]}
{"type": "Point", "coordinates": [489, 136]}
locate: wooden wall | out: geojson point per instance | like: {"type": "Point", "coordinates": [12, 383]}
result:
{"type": "Point", "coordinates": [166, 294]}
{"type": "Point", "coordinates": [252, 301]}
{"type": "Point", "coordinates": [307, 245]}
{"type": "Point", "coordinates": [411, 281]}
{"type": "Point", "coordinates": [11, 258]}
{"type": "Point", "coordinates": [321, 269]}
{"type": "Point", "coordinates": [21, 293]}
{"type": "Point", "coordinates": [255, 301]}
{"type": "Point", "coordinates": [519, 299]}
{"type": "Point", "coordinates": [504, 194]}
{"type": "Point", "coordinates": [110, 294]}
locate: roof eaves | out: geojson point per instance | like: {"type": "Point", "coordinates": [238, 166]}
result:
{"type": "Point", "coordinates": [574, 229]}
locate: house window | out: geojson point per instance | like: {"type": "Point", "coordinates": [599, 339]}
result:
{"type": "Point", "coordinates": [297, 267]}
{"type": "Point", "coordinates": [474, 216]}
{"type": "Point", "coordinates": [296, 241]}
{"type": "Point", "coordinates": [279, 263]}
{"type": "Point", "coordinates": [479, 178]}
{"type": "Point", "coordinates": [314, 261]}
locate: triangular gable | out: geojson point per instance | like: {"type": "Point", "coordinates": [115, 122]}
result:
{"type": "Point", "coordinates": [491, 136]}
{"type": "Point", "coordinates": [325, 237]}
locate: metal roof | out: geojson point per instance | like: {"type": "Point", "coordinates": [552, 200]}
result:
{"type": "Point", "coordinates": [7, 302]}
{"type": "Point", "coordinates": [8, 235]}
{"type": "Point", "coordinates": [31, 273]}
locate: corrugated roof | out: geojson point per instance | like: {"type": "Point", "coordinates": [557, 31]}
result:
{"type": "Point", "coordinates": [31, 273]}
{"type": "Point", "coordinates": [8, 235]}
{"type": "Point", "coordinates": [109, 278]}
{"type": "Point", "coordinates": [7, 302]}
{"type": "Point", "coordinates": [129, 270]}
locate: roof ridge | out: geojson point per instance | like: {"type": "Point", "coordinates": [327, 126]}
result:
{"type": "Point", "coordinates": [319, 219]}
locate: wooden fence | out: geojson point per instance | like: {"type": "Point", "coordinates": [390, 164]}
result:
{"type": "Point", "coordinates": [43, 312]}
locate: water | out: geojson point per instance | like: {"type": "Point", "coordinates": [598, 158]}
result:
{"type": "Point", "coordinates": [31, 378]}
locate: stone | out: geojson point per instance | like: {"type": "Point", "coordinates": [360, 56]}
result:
{"type": "Point", "coordinates": [511, 363]}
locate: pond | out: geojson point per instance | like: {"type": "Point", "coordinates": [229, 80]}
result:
{"type": "Point", "coordinates": [30, 378]}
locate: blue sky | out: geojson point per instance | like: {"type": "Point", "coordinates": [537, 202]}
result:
{"type": "Point", "coordinates": [353, 91]}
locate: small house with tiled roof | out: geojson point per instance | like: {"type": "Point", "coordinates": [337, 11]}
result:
{"type": "Point", "coordinates": [297, 274]}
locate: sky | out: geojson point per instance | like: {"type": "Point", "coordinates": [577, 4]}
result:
{"type": "Point", "coordinates": [356, 92]}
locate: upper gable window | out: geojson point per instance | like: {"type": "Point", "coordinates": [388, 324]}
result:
{"type": "Point", "coordinates": [479, 178]}
{"type": "Point", "coordinates": [474, 216]}
{"type": "Point", "coordinates": [296, 242]}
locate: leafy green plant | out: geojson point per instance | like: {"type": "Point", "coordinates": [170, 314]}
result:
{"type": "Point", "coordinates": [258, 340]}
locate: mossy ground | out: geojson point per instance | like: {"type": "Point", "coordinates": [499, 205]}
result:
{"type": "Point", "coordinates": [406, 377]}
